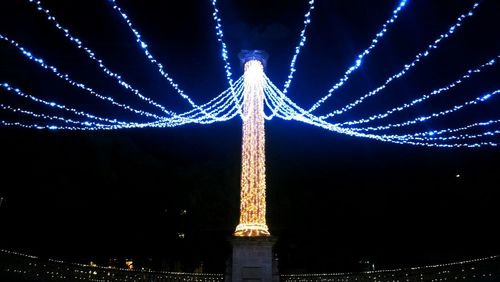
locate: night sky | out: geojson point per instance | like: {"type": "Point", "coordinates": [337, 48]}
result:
{"type": "Point", "coordinates": [333, 200]}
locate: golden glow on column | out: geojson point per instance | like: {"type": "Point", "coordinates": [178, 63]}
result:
{"type": "Point", "coordinates": [253, 169]}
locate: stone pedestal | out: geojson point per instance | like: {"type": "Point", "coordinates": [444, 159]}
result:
{"type": "Point", "coordinates": [253, 260]}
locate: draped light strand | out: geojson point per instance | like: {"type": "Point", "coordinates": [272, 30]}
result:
{"type": "Point", "coordinates": [224, 53]}
{"type": "Point", "coordinates": [421, 99]}
{"type": "Point", "coordinates": [476, 101]}
{"type": "Point", "coordinates": [360, 57]}
{"type": "Point", "coordinates": [91, 54]}
{"type": "Point", "coordinates": [447, 130]}
{"type": "Point", "coordinates": [451, 30]}
{"type": "Point", "coordinates": [218, 110]}
{"type": "Point", "coordinates": [444, 138]}
{"type": "Point", "coordinates": [45, 116]}
{"type": "Point", "coordinates": [229, 103]}
{"type": "Point", "coordinates": [28, 54]}
{"type": "Point", "coordinates": [144, 46]}
{"type": "Point", "coordinates": [20, 93]}
{"type": "Point", "coordinates": [298, 48]}
{"type": "Point", "coordinates": [85, 126]}
{"type": "Point", "coordinates": [211, 111]}
{"type": "Point", "coordinates": [292, 111]}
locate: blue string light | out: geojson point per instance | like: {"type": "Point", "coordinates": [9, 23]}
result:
{"type": "Point", "coordinates": [359, 59]}
{"type": "Point", "coordinates": [290, 110]}
{"type": "Point", "coordinates": [224, 54]}
{"type": "Point", "coordinates": [144, 46]}
{"type": "Point", "coordinates": [18, 92]}
{"type": "Point", "coordinates": [228, 104]}
{"type": "Point", "coordinates": [91, 54]}
{"type": "Point", "coordinates": [445, 138]}
{"type": "Point", "coordinates": [302, 42]}
{"type": "Point", "coordinates": [96, 126]}
{"type": "Point", "coordinates": [218, 109]}
{"type": "Point", "coordinates": [446, 131]}
{"type": "Point", "coordinates": [406, 67]}
{"type": "Point", "coordinates": [45, 116]}
{"type": "Point", "coordinates": [28, 54]}
{"type": "Point", "coordinates": [476, 101]}
{"type": "Point", "coordinates": [421, 99]}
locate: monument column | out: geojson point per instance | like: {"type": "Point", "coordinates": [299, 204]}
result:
{"type": "Point", "coordinates": [252, 258]}
{"type": "Point", "coordinates": [253, 167]}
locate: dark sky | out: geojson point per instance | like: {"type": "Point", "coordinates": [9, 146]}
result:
{"type": "Point", "coordinates": [332, 200]}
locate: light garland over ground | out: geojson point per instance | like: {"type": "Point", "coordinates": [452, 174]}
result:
{"type": "Point", "coordinates": [21, 265]}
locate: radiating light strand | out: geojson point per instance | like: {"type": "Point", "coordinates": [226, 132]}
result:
{"type": "Point", "coordinates": [444, 138]}
{"type": "Point", "coordinates": [28, 54]}
{"type": "Point", "coordinates": [292, 111]}
{"type": "Point", "coordinates": [217, 109]}
{"type": "Point", "coordinates": [298, 48]}
{"type": "Point", "coordinates": [421, 99]}
{"type": "Point", "coordinates": [20, 93]}
{"type": "Point", "coordinates": [91, 54]}
{"type": "Point", "coordinates": [476, 101]}
{"type": "Point", "coordinates": [436, 43]}
{"type": "Point", "coordinates": [224, 53]}
{"type": "Point", "coordinates": [359, 59]}
{"type": "Point", "coordinates": [144, 46]}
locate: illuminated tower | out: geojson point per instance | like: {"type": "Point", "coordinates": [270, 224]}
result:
{"type": "Point", "coordinates": [253, 170]}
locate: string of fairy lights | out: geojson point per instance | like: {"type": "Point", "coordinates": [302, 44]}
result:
{"type": "Point", "coordinates": [230, 102]}
{"type": "Point", "coordinates": [26, 265]}
{"type": "Point", "coordinates": [224, 53]}
{"type": "Point", "coordinates": [298, 48]}
{"type": "Point", "coordinates": [91, 54]}
{"type": "Point", "coordinates": [360, 57]}
{"type": "Point", "coordinates": [434, 45]}
{"type": "Point", "coordinates": [484, 268]}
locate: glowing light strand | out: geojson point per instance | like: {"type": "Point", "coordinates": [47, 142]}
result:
{"type": "Point", "coordinates": [358, 62]}
{"type": "Point", "coordinates": [276, 100]}
{"type": "Point", "coordinates": [190, 116]}
{"type": "Point", "coordinates": [144, 46]}
{"type": "Point", "coordinates": [91, 54]}
{"type": "Point", "coordinates": [276, 104]}
{"type": "Point", "coordinates": [302, 42]}
{"type": "Point", "coordinates": [95, 126]}
{"type": "Point", "coordinates": [20, 93]}
{"type": "Point", "coordinates": [421, 99]}
{"type": "Point", "coordinates": [214, 108]}
{"type": "Point", "coordinates": [455, 108]}
{"type": "Point", "coordinates": [45, 116]}
{"type": "Point", "coordinates": [406, 67]}
{"type": "Point", "coordinates": [288, 110]}
{"type": "Point", "coordinates": [296, 113]}
{"type": "Point", "coordinates": [273, 105]}
{"type": "Point", "coordinates": [444, 138]}
{"type": "Point", "coordinates": [224, 54]}
{"type": "Point", "coordinates": [448, 130]}
{"type": "Point", "coordinates": [82, 86]}
{"type": "Point", "coordinates": [214, 113]}
{"type": "Point", "coordinates": [66, 77]}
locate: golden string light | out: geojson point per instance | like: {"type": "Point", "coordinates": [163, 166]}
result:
{"type": "Point", "coordinates": [253, 167]}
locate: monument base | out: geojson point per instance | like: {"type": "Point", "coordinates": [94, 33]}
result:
{"type": "Point", "coordinates": [253, 260]}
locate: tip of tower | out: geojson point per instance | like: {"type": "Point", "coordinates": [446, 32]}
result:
{"type": "Point", "coordinates": [248, 55]}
